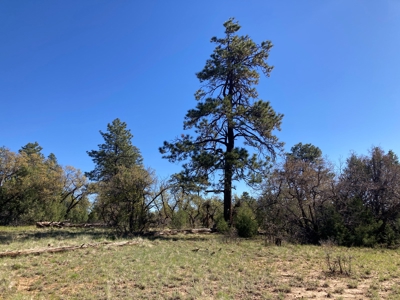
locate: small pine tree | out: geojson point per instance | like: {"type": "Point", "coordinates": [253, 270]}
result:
{"type": "Point", "coordinates": [246, 223]}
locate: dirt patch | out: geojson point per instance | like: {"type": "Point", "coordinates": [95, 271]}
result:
{"type": "Point", "coordinates": [26, 283]}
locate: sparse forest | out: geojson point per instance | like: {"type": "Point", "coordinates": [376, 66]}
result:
{"type": "Point", "coordinates": [244, 216]}
{"type": "Point", "coordinates": [232, 136]}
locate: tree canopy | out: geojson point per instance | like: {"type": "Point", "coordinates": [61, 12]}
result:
{"type": "Point", "coordinates": [306, 153]}
{"type": "Point", "coordinates": [117, 150]}
{"type": "Point", "coordinates": [33, 188]}
{"type": "Point", "coordinates": [32, 148]}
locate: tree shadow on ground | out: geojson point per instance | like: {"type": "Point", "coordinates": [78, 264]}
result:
{"type": "Point", "coordinates": [175, 238]}
{"type": "Point", "coordinates": [56, 233]}
{"type": "Point", "coordinates": [7, 237]}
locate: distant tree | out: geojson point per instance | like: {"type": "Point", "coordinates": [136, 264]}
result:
{"type": "Point", "coordinates": [169, 208]}
{"type": "Point", "coordinates": [126, 191]}
{"type": "Point", "coordinates": [30, 187]}
{"type": "Point", "coordinates": [10, 164]}
{"type": "Point", "coordinates": [41, 187]}
{"type": "Point", "coordinates": [34, 188]}
{"type": "Point", "coordinates": [122, 198]}
{"type": "Point", "coordinates": [228, 117]}
{"type": "Point", "coordinates": [306, 153]}
{"type": "Point", "coordinates": [117, 150]}
{"type": "Point", "coordinates": [372, 183]}
{"type": "Point", "coordinates": [10, 182]}
{"type": "Point", "coordinates": [32, 148]}
{"type": "Point", "coordinates": [180, 207]}
{"type": "Point", "coordinates": [52, 157]}
{"type": "Point", "coordinates": [80, 212]}
{"type": "Point", "coordinates": [74, 192]}
{"type": "Point", "coordinates": [297, 192]}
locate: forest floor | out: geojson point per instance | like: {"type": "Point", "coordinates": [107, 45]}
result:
{"type": "Point", "coordinates": [191, 266]}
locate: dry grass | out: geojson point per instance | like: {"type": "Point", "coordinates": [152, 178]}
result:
{"type": "Point", "coordinates": [189, 267]}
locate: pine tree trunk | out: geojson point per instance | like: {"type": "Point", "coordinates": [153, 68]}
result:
{"type": "Point", "coordinates": [228, 198]}
{"type": "Point", "coordinates": [228, 173]}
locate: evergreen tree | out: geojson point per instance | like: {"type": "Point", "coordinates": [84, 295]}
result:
{"type": "Point", "coordinates": [228, 117]}
{"type": "Point", "coordinates": [117, 150]}
{"type": "Point", "coordinates": [307, 153]}
{"type": "Point", "coordinates": [122, 183]}
{"type": "Point", "coordinates": [32, 148]}
{"type": "Point", "coordinates": [53, 159]}
{"type": "Point", "coordinates": [373, 182]}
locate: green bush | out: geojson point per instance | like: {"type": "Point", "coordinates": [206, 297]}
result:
{"type": "Point", "coordinates": [179, 219]}
{"type": "Point", "coordinates": [245, 223]}
{"type": "Point", "coordinates": [222, 226]}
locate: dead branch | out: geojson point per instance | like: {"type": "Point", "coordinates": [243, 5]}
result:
{"type": "Point", "coordinates": [181, 231]}
{"type": "Point", "coordinates": [68, 224]}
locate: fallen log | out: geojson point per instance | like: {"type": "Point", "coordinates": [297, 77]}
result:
{"type": "Point", "coordinates": [63, 249]}
{"type": "Point", "coordinates": [178, 231]}
{"type": "Point", "coordinates": [47, 224]}
{"type": "Point", "coordinates": [200, 230]}
{"type": "Point", "coordinates": [68, 224]}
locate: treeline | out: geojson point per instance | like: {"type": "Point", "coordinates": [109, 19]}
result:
{"type": "Point", "coordinates": [120, 191]}
{"type": "Point", "coordinates": [130, 197]}
{"type": "Point", "coordinates": [305, 200]}
{"type": "Point", "coordinates": [36, 188]}
{"type": "Point", "coordinates": [302, 199]}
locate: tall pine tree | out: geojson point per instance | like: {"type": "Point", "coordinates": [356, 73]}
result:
{"type": "Point", "coordinates": [228, 119]}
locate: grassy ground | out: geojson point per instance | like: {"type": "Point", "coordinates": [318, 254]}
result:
{"type": "Point", "coordinates": [190, 267]}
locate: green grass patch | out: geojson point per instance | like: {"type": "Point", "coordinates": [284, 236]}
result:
{"type": "Point", "coordinates": [186, 267]}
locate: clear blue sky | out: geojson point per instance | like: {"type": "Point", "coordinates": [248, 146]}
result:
{"type": "Point", "coordinates": [67, 68]}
